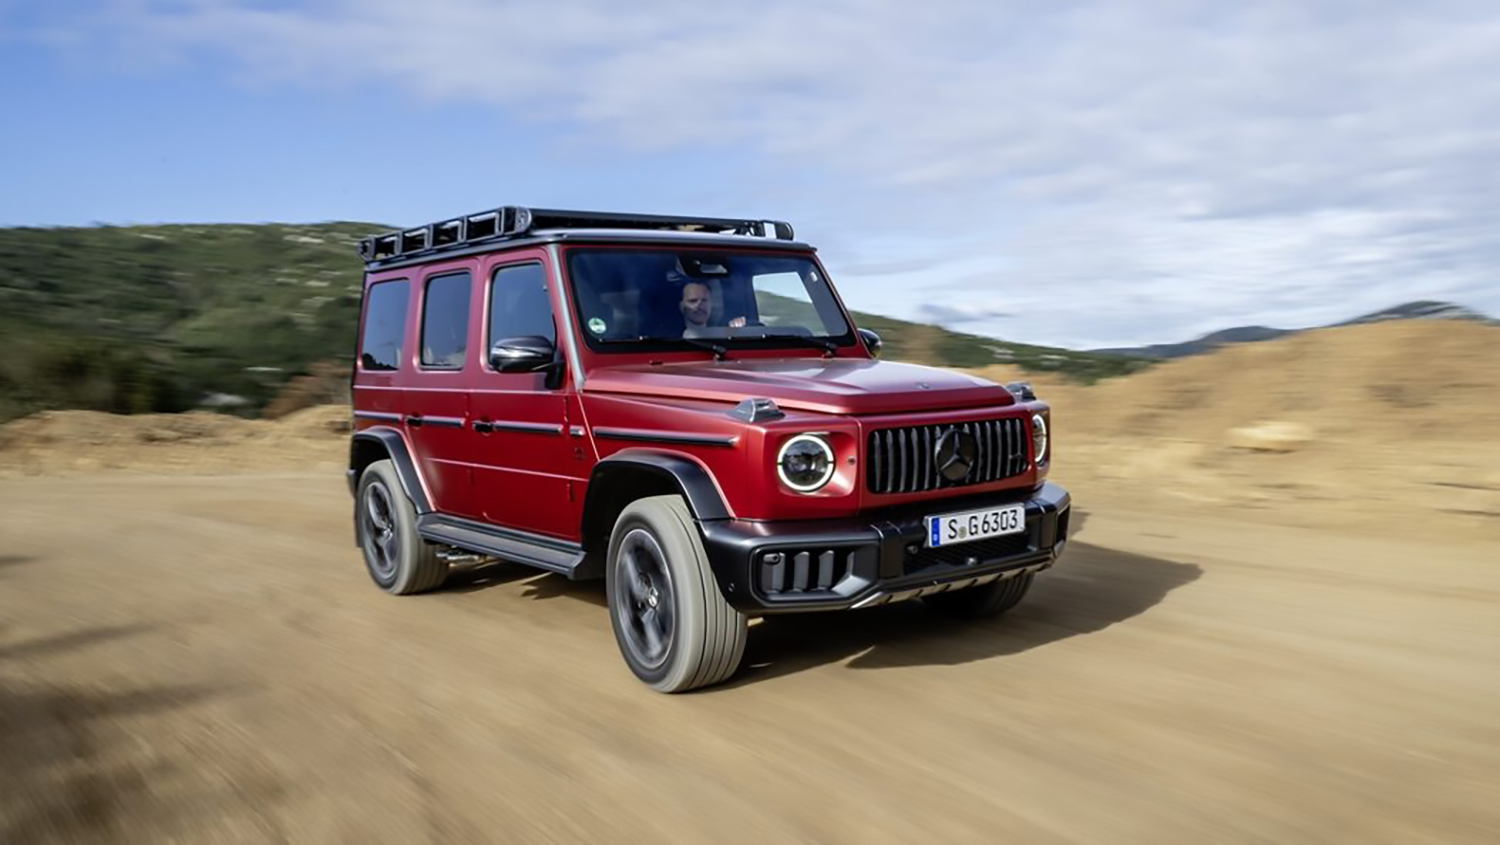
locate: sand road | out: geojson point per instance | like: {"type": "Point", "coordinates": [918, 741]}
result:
{"type": "Point", "coordinates": [204, 660]}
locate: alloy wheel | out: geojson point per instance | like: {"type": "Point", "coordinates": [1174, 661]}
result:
{"type": "Point", "coordinates": [378, 521]}
{"type": "Point", "coordinates": [644, 599]}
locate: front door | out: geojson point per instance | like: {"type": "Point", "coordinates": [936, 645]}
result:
{"type": "Point", "coordinates": [524, 453]}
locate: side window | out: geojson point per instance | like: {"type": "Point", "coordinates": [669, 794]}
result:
{"type": "Point", "coordinates": [519, 304]}
{"type": "Point", "coordinates": [385, 325]}
{"type": "Point", "coordinates": [445, 321]}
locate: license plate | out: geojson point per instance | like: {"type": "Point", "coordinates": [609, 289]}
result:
{"type": "Point", "coordinates": [953, 528]}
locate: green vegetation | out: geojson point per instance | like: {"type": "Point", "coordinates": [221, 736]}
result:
{"type": "Point", "coordinates": [161, 318]}
{"type": "Point", "coordinates": [166, 318]}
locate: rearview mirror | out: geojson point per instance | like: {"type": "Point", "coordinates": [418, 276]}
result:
{"type": "Point", "coordinates": [522, 354]}
{"type": "Point", "coordinates": [872, 341]}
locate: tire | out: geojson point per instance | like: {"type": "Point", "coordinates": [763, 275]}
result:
{"type": "Point", "coordinates": [658, 579]}
{"type": "Point", "coordinates": [986, 600]}
{"type": "Point", "coordinates": [398, 560]}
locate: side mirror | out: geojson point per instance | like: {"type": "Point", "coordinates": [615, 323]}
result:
{"type": "Point", "coordinates": [872, 341]}
{"type": "Point", "coordinates": [522, 354]}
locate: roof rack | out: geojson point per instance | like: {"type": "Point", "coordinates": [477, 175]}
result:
{"type": "Point", "coordinates": [512, 221]}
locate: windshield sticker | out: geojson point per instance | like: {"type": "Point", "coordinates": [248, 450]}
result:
{"type": "Point", "coordinates": [597, 326]}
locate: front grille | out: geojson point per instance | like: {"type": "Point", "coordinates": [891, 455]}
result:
{"type": "Point", "coordinates": [902, 460]}
{"type": "Point", "coordinates": [804, 570]}
{"type": "Point", "coordinates": [969, 554]}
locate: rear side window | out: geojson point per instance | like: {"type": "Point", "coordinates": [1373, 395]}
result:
{"type": "Point", "coordinates": [519, 304]}
{"type": "Point", "coordinates": [445, 321]}
{"type": "Point", "coordinates": [385, 325]}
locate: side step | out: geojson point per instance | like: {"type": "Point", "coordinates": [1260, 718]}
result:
{"type": "Point", "coordinates": [564, 558]}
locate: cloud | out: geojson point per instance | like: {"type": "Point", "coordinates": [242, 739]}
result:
{"type": "Point", "coordinates": [950, 314]}
{"type": "Point", "coordinates": [1121, 172]}
{"type": "Point", "coordinates": [889, 268]}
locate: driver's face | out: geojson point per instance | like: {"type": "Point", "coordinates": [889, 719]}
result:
{"type": "Point", "coordinates": [695, 303]}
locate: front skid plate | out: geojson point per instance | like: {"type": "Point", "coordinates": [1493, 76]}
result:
{"type": "Point", "coordinates": [880, 598]}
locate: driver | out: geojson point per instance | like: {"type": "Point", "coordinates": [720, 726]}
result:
{"type": "Point", "coordinates": [695, 308]}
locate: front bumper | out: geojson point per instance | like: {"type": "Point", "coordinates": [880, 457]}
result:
{"type": "Point", "coordinates": [792, 566]}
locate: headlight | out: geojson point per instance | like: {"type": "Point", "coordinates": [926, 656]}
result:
{"type": "Point", "coordinates": [805, 463]}
{"type": "Point", "coordinates": [1039, 437]}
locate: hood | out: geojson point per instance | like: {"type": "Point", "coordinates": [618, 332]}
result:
{"type": "Point", "coordinates": [822, 385]}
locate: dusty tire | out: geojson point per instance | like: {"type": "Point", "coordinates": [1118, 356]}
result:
{"type": "Point", "coordinates": [658, 579]}
{"type": "Point", "coordinates": [398, 560]}
{"type": "Point", "coordinates": [990, 599]}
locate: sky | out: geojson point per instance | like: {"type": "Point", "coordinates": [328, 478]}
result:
{"type": "Point", "coordinates": [1081, 174]}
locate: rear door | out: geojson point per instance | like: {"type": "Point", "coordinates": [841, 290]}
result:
{"type": "Point", "coordinates": [437, 400]}
{"type": "Point", "coordinates": [378, 395]}
{"type": "Point", "coordinates": [524, 454]}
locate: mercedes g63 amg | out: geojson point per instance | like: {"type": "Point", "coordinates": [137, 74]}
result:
{"type": "Point", "coordinates": [683, 407]}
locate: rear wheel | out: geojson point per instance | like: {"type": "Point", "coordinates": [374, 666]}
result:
{"type": "Point", "coordinates": [990, 599]}
{"type": "Point", "coordinates": [673, 626]}
{"type": "Point", "coordinates": [396, 556]}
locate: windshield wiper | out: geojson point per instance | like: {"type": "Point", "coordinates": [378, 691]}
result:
{"type": "Point", "coordinates": [720, 353]}
{"type": "Point", "coordinates": [823, 343]}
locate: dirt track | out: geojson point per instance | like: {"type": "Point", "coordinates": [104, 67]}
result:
{"type": "Point", "coordinates": [204, 660]}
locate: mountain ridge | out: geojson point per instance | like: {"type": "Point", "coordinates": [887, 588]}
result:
{"type": "Point", "coordinates": [1421, 309]}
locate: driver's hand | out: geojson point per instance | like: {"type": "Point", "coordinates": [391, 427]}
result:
{"type": "Point", "coordinates": [737, 322]}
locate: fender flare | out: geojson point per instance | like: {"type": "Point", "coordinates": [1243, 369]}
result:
{"type": "Point", "coordinates": [394, 445]}
{"type": "Point", "coordinates": [695, 482]}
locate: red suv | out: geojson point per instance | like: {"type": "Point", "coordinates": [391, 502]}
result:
{"type": "Point", "coordinates": [683, 407]}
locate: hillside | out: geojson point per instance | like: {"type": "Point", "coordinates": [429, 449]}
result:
{"type": "Point", "coordinates": [1322, 428]}
{"type": "Point", "coordinates": [169, 318]}
{"type": "Point", "coordinates": [1370, 425]}
{"type": "Point", "coordinates": [166, 318]}
{"type": "Point", "coordinates": [1347, 383]}
{"type": "Point", "coordinates": [1418, 310]}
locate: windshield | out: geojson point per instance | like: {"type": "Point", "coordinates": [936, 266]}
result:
{"type": "Point", "coordinates": [633, 300]}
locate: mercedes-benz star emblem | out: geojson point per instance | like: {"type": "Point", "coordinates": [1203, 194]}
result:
{"type": "Point", "coordinates": [955, 454]}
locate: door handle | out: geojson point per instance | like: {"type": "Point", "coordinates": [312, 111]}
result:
{"type": "Point", "coordinates": [414, 421]}
{"type": "Point", "coordinates": [484, 426]}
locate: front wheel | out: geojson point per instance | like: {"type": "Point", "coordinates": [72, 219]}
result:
{"type": "Point", "coordinates": [673, 626]}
